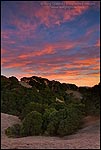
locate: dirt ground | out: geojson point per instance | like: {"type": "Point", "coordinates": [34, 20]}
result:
{"type": "Point", "coordinates": [86, 138]}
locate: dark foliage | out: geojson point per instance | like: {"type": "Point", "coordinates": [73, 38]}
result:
{"type": "Point", "coordinates": [46, 108]}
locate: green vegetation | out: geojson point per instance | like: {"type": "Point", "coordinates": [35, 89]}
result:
{"type": "Point", "coordinates": [71, 121]}
{"type": "Point", "coordinates": [13, 131]}
{"type": "Point", "coordinates": [32, 124]}
{"type": "Point", "coordinates": [91, 99]}
{"type": "Point", "coordinates": [32, 106]}
{"type": "Point", "coordinates": [46, 108]}
{"type": "Point", "coordinates": [65, 121]}
{"type": "Point", "coordinates": [46, 118]}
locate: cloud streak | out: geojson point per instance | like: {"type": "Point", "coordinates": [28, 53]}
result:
{"type": "Point", "coordinates": [56, 43]}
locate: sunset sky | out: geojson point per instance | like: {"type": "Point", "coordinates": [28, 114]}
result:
{"type": "Point", "coordinates": [58, 41]}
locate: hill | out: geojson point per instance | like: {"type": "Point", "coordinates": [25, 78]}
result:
{"type": "Point", "coordinates": [47, 107]}
{"type": "Point", "coordinates": [86, 138]}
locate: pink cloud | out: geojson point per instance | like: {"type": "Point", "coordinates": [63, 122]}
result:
{"type": "Point", "coordinates": [76, 9]}
{"type": "Point", "coordinates": [98, 43]}
{"type": "Point", "coordinates": [3, 51]}
{"type": "Point", "coordinates": [16, 65]}
{"type": "Point", "coordinates": [46, 50]}
{"type": "Point", "coordinates": [44, 12]}
{"type": "Point", "coordinates": [87, 62]}
{"type": "Point", "coordinates": [4, 35]}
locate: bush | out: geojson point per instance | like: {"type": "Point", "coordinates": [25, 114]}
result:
{"type": "Point", "coordinates": [58, 105]}
{"type": "Point", "coordinates": [71, 122]}
{"type": "Point", "coordinates": [66, 127]}
{"type": "Point", "coordinates": [53, 123]}
{"type": "Point", "coordinates": [65, 121]}
{"type": "Point", "coordinates": [13, 131]}
{"type": "Point", "coordinates": [32, 124]}
{"type": "Point", "coordinates": [46, 117]}
{"type": "Point", "coordinates": [92, 103]}
{"type": "Point", "coordinates": [32, 106]}
{"type": "Point", "coordinates": [51, 128]}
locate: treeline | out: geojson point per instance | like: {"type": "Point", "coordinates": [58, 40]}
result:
{"type": "Point", "coordinates": [91, 99]}
{"type": "Point", "coordinates": [46, 108]}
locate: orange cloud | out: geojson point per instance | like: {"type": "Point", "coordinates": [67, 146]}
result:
{"type": "Point", "coordinates": [98, 43]}
{"type": "Point", "coordinates": [47, 50]}
{"type": "Point", "coordinates": [15, 65]}
{"type": "Point", "coordinates": [3, 61]}
{"type": "Point", "coordinates": [71, 77]}
{"type": "Point", "coordinates": [74, 78]}
{"type": "Point", "coordinates": [87, 62]}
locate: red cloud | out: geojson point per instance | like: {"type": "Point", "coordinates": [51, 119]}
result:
{"type": "Point", "coordinates": [49, 16]}
{"type": "Point", "coordinates": [46, 50]}
{"type": "Point", "coordinates": [87, 62]}
{"type": "Point", "coordinates": [10, 63]}
{"type": "Point", "coordinates": [3, 51]}
{"type": "Point", "coordinates": [75, 10]}
{"type": "Point", "coordinates": [98, 43]}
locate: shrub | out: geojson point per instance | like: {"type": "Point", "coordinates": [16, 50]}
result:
{"type": "Point", "coordinates": [32, 106]}
{"type": "Point", "coordinates": [92, 103]}
{"type": "Point", "coordinates": [13, 131]}
{"type": "Point", "coordinates": [51, 128]}
{"type": "Point", "coordinates": [71, 122]}
{"type": "Point", "coordinates": [32, 124]}
{"type": "Point", "coordinates": [46, 117]}
{"type": "Point", "coordinates": [53, 123]}
{"type": "Point", "coordinates": [58, 105]}
{"type": "Point", "coordinates": [65, 121]}
{"type": "Point", "coordinates": [66, 127]}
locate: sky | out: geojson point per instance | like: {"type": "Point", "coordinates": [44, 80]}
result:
{"type": "Point", "coordinates": [58, 40]}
